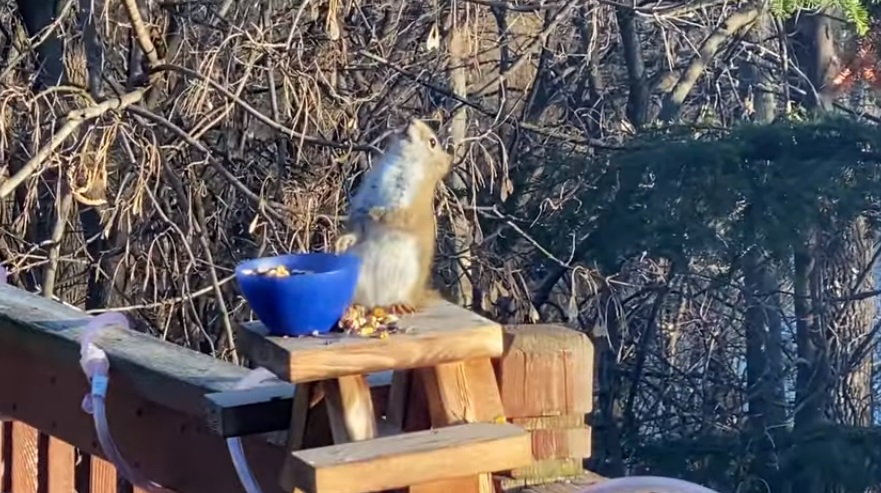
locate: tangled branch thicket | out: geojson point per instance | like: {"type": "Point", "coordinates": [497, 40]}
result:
{"type": "Point", "coordinates": [261, 121]}
{"type": "Point", "coordinates": [180, 138]}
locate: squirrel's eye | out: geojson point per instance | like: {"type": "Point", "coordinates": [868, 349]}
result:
{"type": "Point", "coordinates": [432, 142]}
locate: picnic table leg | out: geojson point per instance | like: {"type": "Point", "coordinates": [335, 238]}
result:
{"type": "Point", "coordinates": [350, 409]}
{"type": "Point", "coordinates": [299, 416]}
{"type": "Point", "coordinates": [407, 406]}
{"type": "Point", "coordinates": [349, 412]}
{"type": "Point", "coordinates": [457, 393]}
{"type": "Point", "coordinates": [304, 395]}
{"type": "Point", "coordinates": [398, 399]}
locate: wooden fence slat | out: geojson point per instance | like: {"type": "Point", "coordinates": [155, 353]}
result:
{"type": "Point", "coordinates": [61, 462]}
{"type": "Point", "coordinates": [102, 477]}
{"type": "Point", "coordinates": [25, 453]}
{"type": "Point", "coordinates": [5, 454]}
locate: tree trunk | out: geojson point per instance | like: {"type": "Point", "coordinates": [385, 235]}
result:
{"type": "Point", "coordinates": [764, 375]}
{"type": "Point", "coordinates": [811, 380]}
{"type": "Point", "coordinates": [841, 258]}
{"type": "Point", "coordinates": [761, 102]}
{"type": "Point", "coordinates": [822, 61]}
{"type": "Point", "coordinates": [463, 235]}
{"type": "Point", "coordinates": [608, 454]}
{"type": "Point", "coordinates": [638, 96]}
{"type": "Point", "coordinates": [850, 271]}
{"type": "Point", "coordinates": [36, 15]}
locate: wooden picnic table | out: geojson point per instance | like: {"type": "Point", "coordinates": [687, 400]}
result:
{"type": "Point", "coordinates": [444, 408]}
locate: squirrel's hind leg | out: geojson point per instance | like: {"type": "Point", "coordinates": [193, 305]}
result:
{"type": "Point", "coordinates": [422, 299]}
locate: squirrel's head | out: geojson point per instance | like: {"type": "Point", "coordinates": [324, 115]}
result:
{"type": "Point", "coordinates": [420, 137]}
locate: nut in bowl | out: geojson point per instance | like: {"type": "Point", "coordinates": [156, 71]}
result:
{"type": "Point", "coordinates": [299, 294]}
{"type": "Point", "coordinates": [277, 271]}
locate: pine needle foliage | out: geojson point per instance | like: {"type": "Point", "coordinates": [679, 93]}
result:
{"type": "Point", "coordinates": [854, 11]}
{"type": "Point", "coordinates": [683, 193]}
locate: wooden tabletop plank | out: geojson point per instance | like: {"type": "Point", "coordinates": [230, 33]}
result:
{"type": "Point", "coordinates": [442, 333]}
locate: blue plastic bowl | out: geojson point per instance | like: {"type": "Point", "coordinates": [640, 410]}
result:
{"type": "Point", "coordinates": [300, 304]}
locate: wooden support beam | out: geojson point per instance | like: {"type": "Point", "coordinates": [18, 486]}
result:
{"type": "Point", "coordinates": [267, 409]}
{"type": "Point", "coordinates": [442, 333]}
{"type": "Point", "coordinates": [407, 459]}
{"type": "Point", "coordinates": [246, 412]}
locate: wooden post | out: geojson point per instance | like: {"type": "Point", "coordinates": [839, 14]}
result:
{"type": "Point", "coordinates": [546, 382]}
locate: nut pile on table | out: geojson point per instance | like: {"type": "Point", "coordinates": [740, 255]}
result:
{"type": "Point", "coordinates": [358, 320]}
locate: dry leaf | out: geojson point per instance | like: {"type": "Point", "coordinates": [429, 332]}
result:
{"type": "Point", "coordinates": [626, 127]}
{"type": "Point", "coordinates": [333, 29]}
{"type": "Point", "coordinates": [332, 25]}
{"type": "Point", "coordinates": [503, 291]}
{"type": "Point", "coordinates": [433, 41]}
{"type": "Point", "coordinates": [533, 314]}
{"type": "Point", "coordinates": [506, 189]}
{"type": "Point", "coordinates": [254, 223]}
{"type": "Point", "coordinates": [493, 293]}
{"type": "Point", "coordinates": [572, 309]}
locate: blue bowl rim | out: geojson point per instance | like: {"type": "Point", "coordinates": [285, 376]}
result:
{"type": "Point", "coordinates": [350, 261]}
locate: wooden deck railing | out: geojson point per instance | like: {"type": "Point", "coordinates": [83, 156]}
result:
{"type": "Point", "coordinates": [158, 412]}
{"type": "Point", "coordinates": [155, 405]}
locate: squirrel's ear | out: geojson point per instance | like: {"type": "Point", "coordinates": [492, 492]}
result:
{"type": "Point", "coordinates": [418, 130]}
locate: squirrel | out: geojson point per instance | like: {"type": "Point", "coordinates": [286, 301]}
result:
{"type": "Point", "coordinates": [392, 225]}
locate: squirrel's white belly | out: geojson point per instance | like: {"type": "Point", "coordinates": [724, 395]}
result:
{"type": "Point", "coordinates": [389, 268]}
{"type": "Point", "coordinates": [392, 184]}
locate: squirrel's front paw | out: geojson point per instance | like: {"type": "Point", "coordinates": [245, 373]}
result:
{"type": "Point", "coordinates": [345, 242]}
